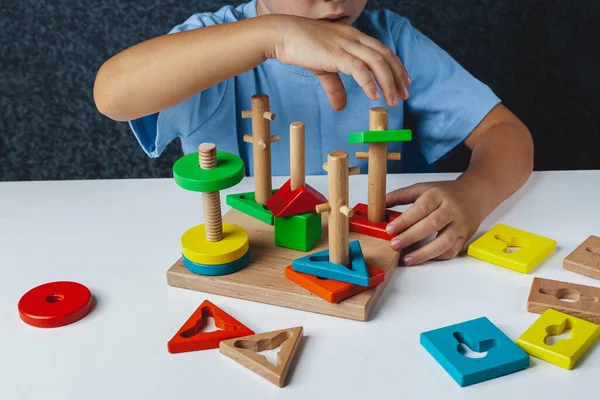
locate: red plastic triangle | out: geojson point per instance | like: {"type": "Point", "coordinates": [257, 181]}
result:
{"type": "Point", "coordinates": [285, 202]}
{"type": "Point", "coordinates": [189, 337]}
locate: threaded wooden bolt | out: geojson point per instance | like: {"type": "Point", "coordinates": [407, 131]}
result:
{"type": "Point", "coordinates": [211, 201]}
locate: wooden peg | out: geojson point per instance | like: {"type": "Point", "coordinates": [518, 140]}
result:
{"type": "Point", "coordinates": [297, 155]}
{"type": "Point", "coordinates": [337, 182]}
{"type": "Point", "coordinates": [347, 211]}
{"type": "Point", "coordinates": [247, 114]}
{"type": "Point", "coordinates": [325, 166]}
{"type": "Point", "coordinates": [274, 138]}
{"type": "Point", "coordinates": [364, 155]}
{"type": "Point", "coordinates": [269, 115]}
{"type": "Point", "coordinates": [323, 208]}
{"type": "Point", "coordinates": [248, 139]}
{"type": "Point", "coordinates": [378, 121]}
{"type": "Point", "coordinates": [353, 171]}
{"type": "Point", "coordinates": [261, 149]}
{"type": "Point", "coordinates": [211, 201]}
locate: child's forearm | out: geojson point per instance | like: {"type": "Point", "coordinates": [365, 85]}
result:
{"type": "Point", "coordinates": [162, 72]}
{"type": "Point", "coordinates": [501, 162]}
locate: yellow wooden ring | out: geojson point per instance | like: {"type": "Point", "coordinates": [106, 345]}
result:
{"type": "Point", "coordinates": [196, 248]}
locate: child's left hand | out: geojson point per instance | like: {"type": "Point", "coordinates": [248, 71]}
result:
{"type": "Point", "coordinates": [452, 209]}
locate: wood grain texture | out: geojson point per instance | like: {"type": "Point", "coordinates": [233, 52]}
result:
{"type": "Point", "coordinates": [264, 281]}
{"type": "Point", "coordinates": [585, 259]}
{"type": "Point", "coordinates": [378, 121]}
{"type": "Point", "coordinates": [245, 351]}
{"type": "Point", "coordinates": [546, 293]}
{"type": "Point", "coordinates": [261, 148]}
{"type": "Point", "coordinates": [297, 155]}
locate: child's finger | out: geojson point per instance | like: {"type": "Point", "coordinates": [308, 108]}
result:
{"type": "Point", "coordinates": [380, 68]}
{"type": "Point", "coordinates": [399, 72]}
{"type": "Point", "coordinates": [445, 242]}
{"type": "Point", "coordinates": [424, 206]}
{"type": "Point", "coordinates": [431, 224]}
{"type": "Point", "coordinates": [358, 69]}
{"type": "Point", "coordinates": [334, 88]}
{"type": "Point", "coordinates": [407, 195]}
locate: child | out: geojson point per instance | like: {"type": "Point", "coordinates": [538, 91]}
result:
{"type": "Point", "coordinates": [326, 63]}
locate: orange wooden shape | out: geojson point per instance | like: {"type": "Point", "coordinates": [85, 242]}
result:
{"type": "Point", "coordinates": [331, 290]}
{"type": "Point", "coordinates": [191, 338]}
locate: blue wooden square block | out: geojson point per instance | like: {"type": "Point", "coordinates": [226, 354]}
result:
{"type": "Point", "coordinates": [318, 264]}
{"type": "Point", "coordinates": [480, 335]}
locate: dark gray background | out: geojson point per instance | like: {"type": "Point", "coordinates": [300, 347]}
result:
{"type": "Point", "coordinates": [540, 56]}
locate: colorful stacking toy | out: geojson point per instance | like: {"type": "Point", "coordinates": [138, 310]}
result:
{"type": "Point", "coordinates": [215, 247]}
{"type": "Point", "coordinates": [254, 203]}
{"type": "Point", "coordinates": [372, 219]}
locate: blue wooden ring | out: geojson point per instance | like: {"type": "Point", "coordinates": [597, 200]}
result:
{"type": "Point", "coordinates": [215, 270]}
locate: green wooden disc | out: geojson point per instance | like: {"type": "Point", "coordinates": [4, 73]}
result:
{"type": "Point", "coordinates": [189, 175]}
{"type": "Point", "coordinates": [403, 135]}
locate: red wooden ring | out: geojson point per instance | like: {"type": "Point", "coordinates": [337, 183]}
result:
{"type": "Point", "coordinates": [55, 304]}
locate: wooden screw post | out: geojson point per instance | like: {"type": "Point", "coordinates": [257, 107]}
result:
{"type": "Point", "coordinates": [261, 140]}
{"type": "Point", "coordinates": [377, 156]}
{"type": "Point", "coordinates": [337, 206]}
{"type": "Point", "coordinates": [211, 201]}
{"type": "Point", "coordinates": [297, 155]}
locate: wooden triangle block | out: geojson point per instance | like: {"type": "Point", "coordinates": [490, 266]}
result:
{"type": "Point", "coordinates": [245, 351]}
{"type": "Point", "coordinates": [191, 338]}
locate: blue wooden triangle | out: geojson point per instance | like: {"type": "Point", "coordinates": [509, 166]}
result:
{"type": "Point", "coordinates": [318, 264]}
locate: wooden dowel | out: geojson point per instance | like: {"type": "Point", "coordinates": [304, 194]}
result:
{"type": "Point", "coordinates": [247, 114]}
{"type": "Point", "coordinates": [261, 149]}
{"type": "Point", "coordinates": [269, 115]}
{"type": "Point", "coordinates": [211, 201]}
{"type": "Point", "coordinates": [297, 155]}
{"type": "Point", "coordinates": [274, 138]}
{"type": "Point", "coordinates": [364, 155]}
{"type": "Point", "coordinates": [378, 120]}
{"type": "Point", "coordinates": [347, 211]}
{"type": "Point", "coordinates": [353, 171]}
{"type": "Point", "coordinates": [323, 208]}
{"type": "Point", "coordinates": [337, 181]}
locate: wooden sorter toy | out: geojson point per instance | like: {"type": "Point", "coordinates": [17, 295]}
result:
{"type": "Point", "coordinates": [564, 353]}
{"type": "Point", "coordinates": [352, 286]}
{"type": "Point", "coordinates": [585, 259]}
{"type": "Point", "coordinates": [212, 248]}
{"type": "Point", "coordinates": [493, 247]}
{"type": "Point", "coordinates": [373, 219]}
{"type": "Point", "coordinates": [583, 301]}
{"type": "Point", "coordinates": [447, 346]}
{"type": "Point", "coordinates": [254, 204]}
{"type": "Point", "coordinates": [343, 261]}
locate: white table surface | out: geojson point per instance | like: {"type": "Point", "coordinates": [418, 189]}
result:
{"type": "Point", "coordinates": [120, 237]}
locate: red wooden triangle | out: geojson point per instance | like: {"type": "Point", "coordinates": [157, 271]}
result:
{"type": "Point", "coordinates": [190, 338]}
{"type": "Point", "coordinates": [285, 202]}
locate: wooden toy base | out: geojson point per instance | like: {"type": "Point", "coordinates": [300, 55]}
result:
{"type": "Point", "coordinates": [264, 281]}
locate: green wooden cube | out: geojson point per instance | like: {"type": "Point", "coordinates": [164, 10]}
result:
{"type": "Point", "coordinates": [298, 232]}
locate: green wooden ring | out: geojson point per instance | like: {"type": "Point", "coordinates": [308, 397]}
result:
{"type": "Point", "coordinates": [189, 175]}
{"type": "Point", "coordinates": [403, 135]}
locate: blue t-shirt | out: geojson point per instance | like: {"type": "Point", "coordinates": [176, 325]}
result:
{"type": "Point", "coordinates": [446, 103]}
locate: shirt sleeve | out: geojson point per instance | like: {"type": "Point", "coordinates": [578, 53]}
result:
{"type": "Point", "coordinates": [446, 102]}
{"type": "Point", "coordinates": [155, 131]}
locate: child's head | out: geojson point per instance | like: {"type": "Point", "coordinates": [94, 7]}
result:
{"type": "Point", "coordinates": [342, 11]}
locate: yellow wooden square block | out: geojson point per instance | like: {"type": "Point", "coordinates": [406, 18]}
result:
{"type": "Point", "coordinates": [566, 352]}
{"type": "Point", "coordinates": [492, 246]}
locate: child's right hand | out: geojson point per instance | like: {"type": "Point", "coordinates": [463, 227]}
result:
{"type": "Point", "coordinates": [326, 48]}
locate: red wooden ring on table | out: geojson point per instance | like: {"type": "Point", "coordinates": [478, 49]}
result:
{"type": "Point", "coordinates": [55, 304]}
